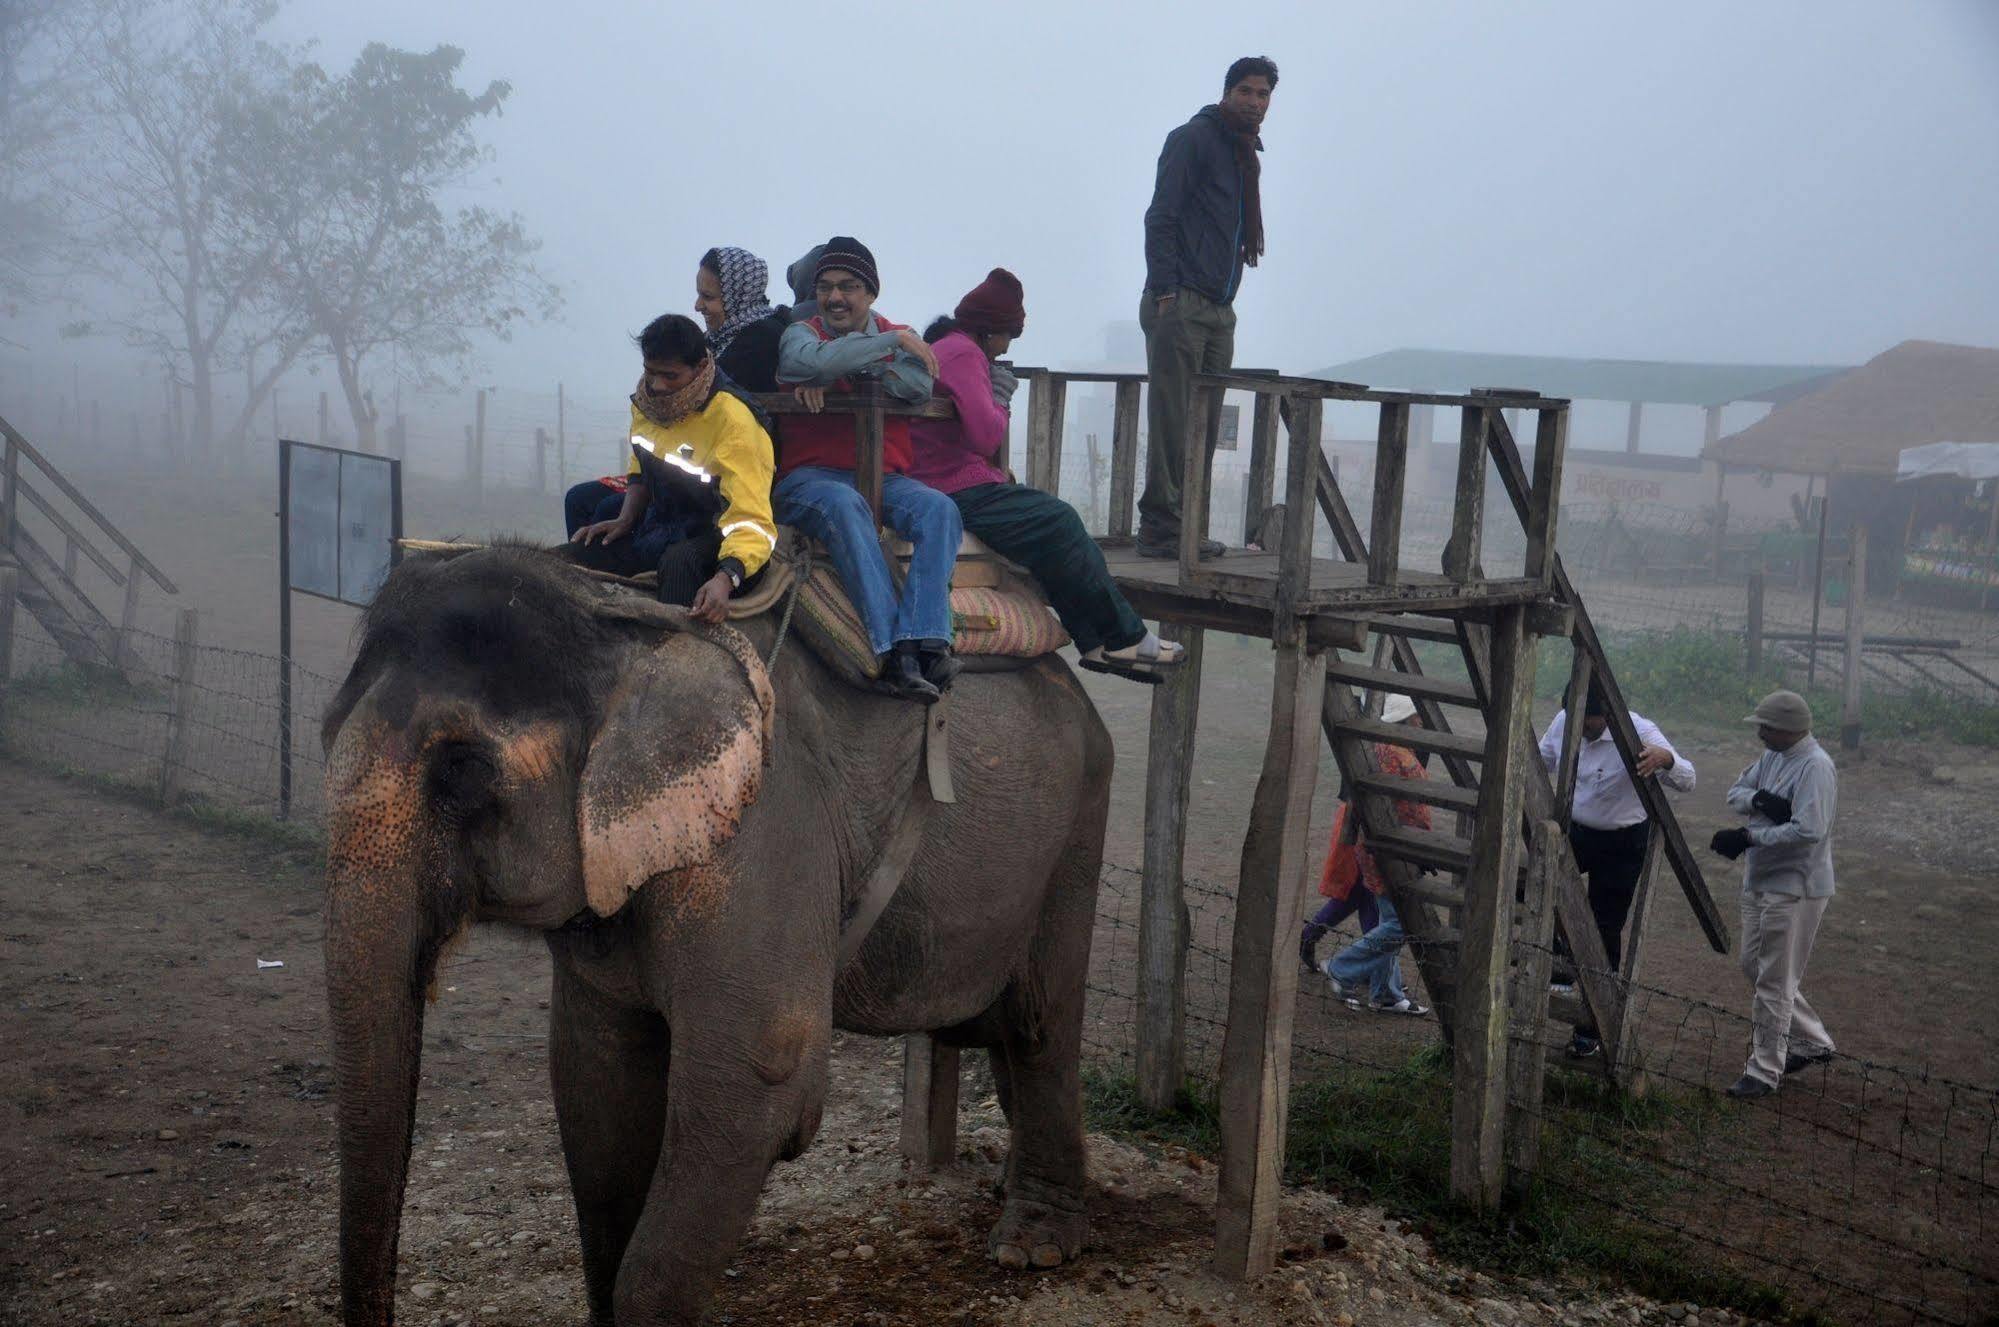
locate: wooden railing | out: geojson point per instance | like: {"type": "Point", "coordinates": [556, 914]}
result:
{"type": "Point", "coordinates": [76, 541]}
{"type": "Point", "coordinates": [871, 408]}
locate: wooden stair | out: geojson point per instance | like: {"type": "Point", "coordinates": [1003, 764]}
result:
{"type": "Point", "coordinates": [80, 631]}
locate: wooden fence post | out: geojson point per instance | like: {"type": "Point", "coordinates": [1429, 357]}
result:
{"type": "Point", "coordinates": [929, 1101]}
{"type": "Point", "coordinates": [174, 759]}
{"type": "Point", "coordinates": [1124, 458]}
{"type": "Point", "coordinates": [9, 589]}
{"type": "Point", "coordinates": [1856, 604]}
{"type": "Point", "coordinates": [479, 445]}
{"type": "Point", "coordinates": [1752, 634]}
{"type": "Point", "coordinates": [128, 615]}
{"type": "Point", "coordinates": [1162, 919]}
{"type": "Point", "coordinates": [1466, 545]}
{"type": "Point", "coordinates": [541, 459]}
{"type": "Point", "coordinates": [1259, 489]}
{"type": "Point", "coordinates": [1478, 1073]}
{"type": "Point", "coordinates": [1527, 1055]}
{"type": "Point", "coordinates": [1391, 466]}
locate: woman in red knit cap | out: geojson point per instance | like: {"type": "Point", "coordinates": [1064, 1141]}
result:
{"type": "Point", "coordinates": [966, 458]}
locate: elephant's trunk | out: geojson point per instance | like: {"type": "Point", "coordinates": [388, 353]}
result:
{"type": "Point", "coordinates": [389, 909]}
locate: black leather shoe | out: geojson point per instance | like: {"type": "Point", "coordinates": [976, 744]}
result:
{"type": "Point", "coordinates": [1746, 1088]}
{"type": "Point", "coordinates": [902, 675]}
{"type": "Point", "coordinates": [940, 666]}
{"type": "Point", "coordinates": [1805, 1059]}
{"type": "Point", "coordinates": [1169, 547]}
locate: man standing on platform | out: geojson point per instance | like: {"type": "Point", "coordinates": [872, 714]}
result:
{"type": "Point", "coordinates": [1608, 828]}
{"type": "Point", "coordinates": [1204, 226]}
{"type": "Point", "coordinates": [1790, 796]}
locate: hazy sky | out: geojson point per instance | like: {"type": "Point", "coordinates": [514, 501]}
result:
{"type": "Point", "coordinates": [1803, 181]}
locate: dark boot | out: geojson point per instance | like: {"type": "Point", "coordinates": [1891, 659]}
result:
{"type": "Point", "coordinates": [902, 675]}
{"type": "Point", "coordinates": [940, 666]}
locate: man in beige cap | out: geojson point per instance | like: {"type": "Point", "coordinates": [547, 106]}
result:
{"type": "Point", "coordinates": [1790, 795]}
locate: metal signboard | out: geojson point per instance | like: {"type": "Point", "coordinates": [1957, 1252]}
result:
{"type": "Point", "coordinates": [340, 514]}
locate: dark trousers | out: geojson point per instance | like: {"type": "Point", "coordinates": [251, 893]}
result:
{"type": "Point", "coordinates": [684, 565]}
{"type": "Point", "coordinates": [1045, 535]}
{"type": "Point", "coordinates": [589, 502]}
{"type": "Point", "coordinates": [1611, 860]}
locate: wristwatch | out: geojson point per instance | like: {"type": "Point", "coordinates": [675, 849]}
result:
{"type": "Point", "coordinates": [734, 571]}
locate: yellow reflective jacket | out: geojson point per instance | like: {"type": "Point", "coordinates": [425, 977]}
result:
{"type": "Point", "coordinates": [727, 447]}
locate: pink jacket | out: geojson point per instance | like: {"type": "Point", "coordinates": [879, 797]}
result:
{"type": "Point", "coordinates": [952, 454]}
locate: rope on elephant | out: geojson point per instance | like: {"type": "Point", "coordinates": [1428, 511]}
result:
{"type": "Point", "coordinates": [801, 574]}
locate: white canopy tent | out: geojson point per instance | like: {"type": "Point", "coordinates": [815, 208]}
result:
{"type": "Point", "coordinates": [1957, 460]}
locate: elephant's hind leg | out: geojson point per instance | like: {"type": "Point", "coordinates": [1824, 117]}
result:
{"type": "Point", "coordinates": [608, 1064]}
{"type": "Point", "coordinates": [1041, 1023]}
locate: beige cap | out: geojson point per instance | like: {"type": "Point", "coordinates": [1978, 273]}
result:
{"type": "Point", "coordinates": [1786, 711]}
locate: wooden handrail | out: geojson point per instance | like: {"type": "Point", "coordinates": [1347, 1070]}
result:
{"type": "Point", "coordinates": [81, 540]}
{"type": "Point", "coordinates": [870, 407]}
{"type": "Point", "coordinates": [88, 508]}
{"type": "Point", "coordinates": [1326, 389]}
{"type": "Point", "coordinates": [1686, 868]}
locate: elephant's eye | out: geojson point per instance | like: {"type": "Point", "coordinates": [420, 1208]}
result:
{"type": "Point", "coordinates": [463, 776]}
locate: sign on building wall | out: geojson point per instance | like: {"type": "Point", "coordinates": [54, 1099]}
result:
{"type": "Point", "coordinates": [1231, 428]}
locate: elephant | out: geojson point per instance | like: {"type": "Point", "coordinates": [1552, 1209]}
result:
{"type": "Point", "coordinates": [687, 824]}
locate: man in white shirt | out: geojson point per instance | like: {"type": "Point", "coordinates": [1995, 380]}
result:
{"type": "Point", "coordinates": [1609, 827]}
{"type": "Point", "coordinates": [1790, 796]}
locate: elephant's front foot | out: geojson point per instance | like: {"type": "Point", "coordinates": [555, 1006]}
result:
{"type": "Point", "coordinates": [1032, 1233]}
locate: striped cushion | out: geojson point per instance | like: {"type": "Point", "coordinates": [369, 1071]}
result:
{"type": "Point", "coordinates": [1012, 620]}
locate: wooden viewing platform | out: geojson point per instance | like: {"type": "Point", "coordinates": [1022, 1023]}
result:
{"type": "Point", "coordinates": [1498, 889]}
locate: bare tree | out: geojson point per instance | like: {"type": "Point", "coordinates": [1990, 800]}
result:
{"type": "Point", "coordinates": [164, 221]}
{"type": "Point", "coordinates": [37, 116]}
{"type": "Point", "coordinates": [383, 254]}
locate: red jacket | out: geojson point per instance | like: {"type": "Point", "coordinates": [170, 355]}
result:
{"type": "Point", "coordinates": [828, 439]}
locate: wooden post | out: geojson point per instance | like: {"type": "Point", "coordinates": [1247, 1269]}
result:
{"type": "Point", "coordinates": [929, 1101]}
{"type": "Point", "coordinates": [1260, 488]}
{"type": "Point", "coordinates": [1124, 458]}
{"type": "Point", "coordinates": [1162, 919]}
{"type": "Point", "coordinates": [1526, 1061]}
{"type": "Point", "coordinates": [10, 586]}
{"type": "Point", "coordinates": [561, 438]}
{"type": "Point", "coordinates": [1478, 1077]}
{"type": "Point", "coordinates": [1574, 702]}
{"type": "Point", "coordinates": [1621, 1046]}
{"type": "Point", "coordinates": [1631, 426]}
{"type": "Point", "coordinates": [1462, 553]}
{"type": "Point", "coordinates": [1711, 429]}
{"type": "Point", "coordinates": [1856, 603]}
{"type": "Point", "coordinates": [1263, 976]}
{"type": "Point", "coordinates": [1752, 634]}
{"type": "Point", "coordinates": [1818, 588]}
{"type": "Point", "coordinates": [322, 420]}
{"type": "Point", "coordinates": [541, 459]}
{"type": "Point", "coordinates": [1204, 419]}
{"type": "Point", "coordinates": [1720, 518]}
{"type": "Point", "coordinates": [10, 501]}
{"type": "Point", "coordinates": [1044, 431]}
{"type": "Point", "coordinates": [1096, 481]}
{"type": "Point", "coordinates": [174, 759]}
{"type": "Point", "coordinates": [1544, 494]}
{"type": "Point", "coordinates": [69, 558]}
{"type": "Point", "coordinates": [869, 423]}
{"type": "Point", "coordinates": [1391, 464]}
{"type": "Point", "coordinates": [128, 615]}
{"type": "Point", "coordinates": [479, 444]}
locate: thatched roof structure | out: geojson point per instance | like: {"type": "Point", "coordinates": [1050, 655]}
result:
{"type": "Point", "coordinates": [1919, 392]}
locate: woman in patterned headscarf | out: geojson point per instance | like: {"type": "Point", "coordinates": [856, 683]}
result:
{"type": "Point", "coordinates": [743, 327]}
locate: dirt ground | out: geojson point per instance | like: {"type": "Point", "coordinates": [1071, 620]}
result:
{"type": "Point", "coordinates": [166, 1151]}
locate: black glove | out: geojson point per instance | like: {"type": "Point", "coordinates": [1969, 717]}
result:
{"type": "Point", "coordinates": [1730, 843]}
{"type": "Point", "coordinates": [1776, 809]}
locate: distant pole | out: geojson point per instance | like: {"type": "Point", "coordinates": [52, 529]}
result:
{"type": "Point", "coordinates": [479, 445]}
{"type": "Point", "coordinates": [1818, 588]}
{"type": "Point", "coordinates": [276, 432]}
{"type": "Point", "coordinates": [284, 632]}
{"type": "Point", "coordinates": [322, 419]}
{"type": "Point", "coordinates": [561, 439]}
{"type": "Point", "coordinates": [540, 459]}
{"type": "Point", "coordinates": [9, 588]}
{"type": "Point", "coordinates": [1753, 631]}
{"type": "Point", "coordinates": [1856, 596]}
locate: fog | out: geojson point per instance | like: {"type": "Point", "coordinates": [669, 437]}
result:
{"type": "Point", "coordinates": [1784, 182]}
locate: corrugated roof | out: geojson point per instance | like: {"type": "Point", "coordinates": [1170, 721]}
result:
{"type": "Point", "coordinates": [1919, 392]}
{"type": "Point", "coordinates": [1663, 381]}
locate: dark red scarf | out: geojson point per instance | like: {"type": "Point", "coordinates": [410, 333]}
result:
{"type": "Point", "coordinates": [1242, 133]}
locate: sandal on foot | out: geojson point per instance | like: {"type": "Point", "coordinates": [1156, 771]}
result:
{"type": "Point", "coordinates": [1144, 661]}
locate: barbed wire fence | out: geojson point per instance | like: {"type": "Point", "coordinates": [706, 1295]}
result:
{"type": "Point", "coordinates": [1865, 1191]}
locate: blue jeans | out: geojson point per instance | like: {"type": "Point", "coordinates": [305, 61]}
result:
{"type": "Point", "coordinates": [827, 505]}
{"type": "Point", "coordinates": [1375, 957]}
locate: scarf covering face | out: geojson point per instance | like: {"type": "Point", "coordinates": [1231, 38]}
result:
{"type": "Point", "coordinates": [745, 281]}
{"type": "Point", "coordinates": [1246, 144]}
{"type": "Point", "coordinates": [668, 408]}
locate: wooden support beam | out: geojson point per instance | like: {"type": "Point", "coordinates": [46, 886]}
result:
{"type": "Point", "coordinates": [1124, 457]}
{"type": "Point", "coordinates": [1263, 977]}
{"type": "Point", "coordinates": [174, 759]}
{"type": "Point", "coordinates": [1204, 419]}
{"type": "Point", "coordinates": [10, 589]}
{"type": "Point", "coordinates": [929, 1101]}
{"type": "Point", "coordinates": [1526, 1060]}
{"type": "Point", "coordinates": [1462, 553]}
{"type": "Point", "coordinates": [1160, 1060]}
{"type": "Point", "coordinates": [1323, 631]}
{"type": "Point", "coordinates": [1856, 637]}
{"type": "Point", "coordinates": [1620, 1048]}
{"type": "Point", "coordinates": [869, 424]}
{"type": "Point", "coordinates": [1050, 405]}
{"type": "Point", "coordinates": [1391, 464]}
{"type": "Point", "coordinates": [1632, 425]}
{"type": "Point", "coordinates": [1544, 505]}
{"type": "Point", "coordinates": [1478, 1077]}
{"type": "Point", "coordinates": [1573, 703]}
{"type": "Point", "coordinates": [1294, 550]}
{"type": "Point", "coordinates": [128, 617]}
{"type": "Point", "coordinates": [1260, 488]}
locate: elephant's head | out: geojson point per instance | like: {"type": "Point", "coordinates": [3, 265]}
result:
{"type": "Point", "coordinates": [512, 744]}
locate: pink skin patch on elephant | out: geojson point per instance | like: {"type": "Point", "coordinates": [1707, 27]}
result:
{"type": "Point", "coordinates": [374, 799]}
{"type": "Point", "coordinates": [531, 755]}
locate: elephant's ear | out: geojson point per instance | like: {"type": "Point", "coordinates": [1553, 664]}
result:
{"type": "Point", "coordinates": [677, 761]}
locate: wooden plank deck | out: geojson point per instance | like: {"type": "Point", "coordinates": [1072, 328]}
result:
{"type": "Point", "coordinates": [1249, 579]}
